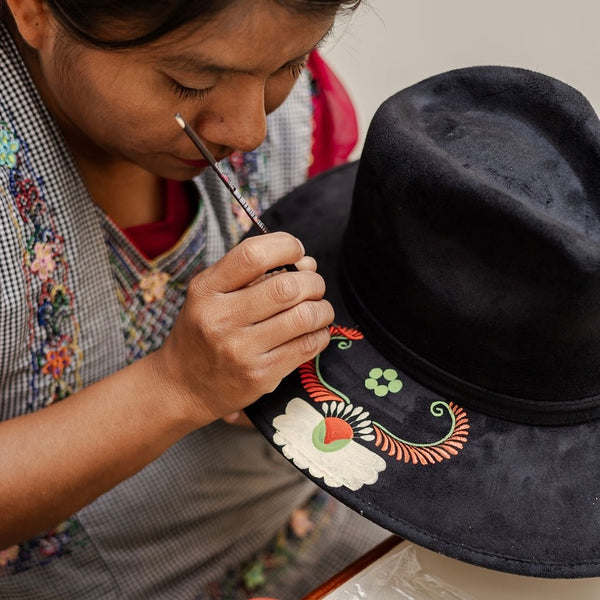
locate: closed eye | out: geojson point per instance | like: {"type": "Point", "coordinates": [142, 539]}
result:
{"type": "Point", "coordinates": [297, 68]}
{"type": "Point", "coordinates": [187, 93]}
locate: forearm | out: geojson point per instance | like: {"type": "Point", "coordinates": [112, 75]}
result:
{"type": "Point", "coordinates": [59, 459]}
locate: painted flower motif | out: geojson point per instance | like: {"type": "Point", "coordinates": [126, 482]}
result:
{"type": "Point", "coordinates": [43, 263]}
{"type": "Point", "coordinates": [153, 286]}
{"type": "Point", "coordinates": [393, 385]}
{"type": "Point", "coordinates": [324, 443]}
{"type": "Point", "coordinates": [9, 147]}
{"type": "Point", "coordinates": [56, 362]}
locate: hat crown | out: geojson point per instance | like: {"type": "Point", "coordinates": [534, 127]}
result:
{"type": "Point", "coordinates": [473, 246]}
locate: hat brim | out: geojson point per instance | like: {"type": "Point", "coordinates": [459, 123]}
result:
{"type": "Point", "coordinates": [523, 499]}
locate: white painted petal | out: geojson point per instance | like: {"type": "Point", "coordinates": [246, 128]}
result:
{"type": "Point", "coordinates": [352, 466]}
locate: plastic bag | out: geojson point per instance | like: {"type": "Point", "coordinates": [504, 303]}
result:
{"type": "Point", "coordinates": [409, 572]}
{"type": "Point", "coordinates": [397, 576]}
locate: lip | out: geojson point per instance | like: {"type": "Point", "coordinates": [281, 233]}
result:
{"type": "Point", "coordinates": [197, 164]}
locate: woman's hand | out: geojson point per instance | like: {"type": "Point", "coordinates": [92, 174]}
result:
{"type": "Point", "coordinates": [239, 418]}
{"type": "Point", "coordinates": [239, 332]}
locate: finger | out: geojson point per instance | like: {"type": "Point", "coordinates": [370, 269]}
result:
{"type": "Point", "coordinates": [231, 418]}
{"type": "Point", "coordinates": [306, 263]}
{"type": "Point", "coordinates": [304, 318]}
{"type": "Point", "coordinates": [273, 295]}
{"type": "Point", "coordinates": [293, 353]}
{"type": "Point", "coordinates": [250, 259]}
{"type": "Point", "coordinates": [239, 419]}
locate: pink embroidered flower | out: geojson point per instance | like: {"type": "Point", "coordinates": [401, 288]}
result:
{"type": "Point", "coordinates": [49, 546]}
{"type": "Point", "coordinates": [43, 263]}
{"type": "Point", "coordinates": [153, 286]}
{"type": "Point", "coordinates": [300, 523]}
{"type": "Point", "coordinates": [9, 555]}
{"type": "Point", "coordinates": [56, 362]}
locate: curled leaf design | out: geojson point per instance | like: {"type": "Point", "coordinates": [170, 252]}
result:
{"type": "Point", "coordinates": [317, 389]}
{"type": "Point", "coordinates": [310, 375]}
{"type": "Point", "coordinates": [435, 452]}
{"type": "Point", "coordinates": [402, 450]}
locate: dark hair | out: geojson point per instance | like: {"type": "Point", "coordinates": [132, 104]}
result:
{"type": "Point", "coordinates": [83, 18]}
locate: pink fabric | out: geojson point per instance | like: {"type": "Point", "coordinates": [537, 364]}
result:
{"type": "Point", "coordinates": [335, 129]}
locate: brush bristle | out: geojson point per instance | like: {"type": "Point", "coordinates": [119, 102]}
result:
{"type": "Point", "coordinates": [180, 120]}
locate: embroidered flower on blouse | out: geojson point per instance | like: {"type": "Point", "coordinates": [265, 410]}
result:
{"type": "Point", "coordinates": [9, 555]}
{"type": "Point", "coordinates": [300, 523]}
{"type": "Point", "coordinates": [43, 264]}
{"type": "Point", "coordinates": [153, 286]}
{"type": "Point", "coordinates": [56, 362]}
{"type": "Point", "coordinates": [9, 146]}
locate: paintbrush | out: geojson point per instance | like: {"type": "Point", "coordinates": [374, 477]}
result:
{"type": "Point", "coordinates": [215, 167]}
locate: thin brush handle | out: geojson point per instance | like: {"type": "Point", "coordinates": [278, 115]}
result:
{"type": "Point", "coordinates": [215, 167]}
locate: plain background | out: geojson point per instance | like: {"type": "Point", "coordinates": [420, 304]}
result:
{"type": "Point", "coordinates": [387, 45]}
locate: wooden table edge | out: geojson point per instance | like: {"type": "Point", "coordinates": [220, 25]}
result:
{"type": "Point", "coordinates": [351, 570]}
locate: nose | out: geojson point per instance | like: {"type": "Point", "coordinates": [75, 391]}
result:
{"type": "Point", "coordinates": [238, 121]}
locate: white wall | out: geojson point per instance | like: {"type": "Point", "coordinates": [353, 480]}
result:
{"type": "Point", "coordinates": [390, 44]}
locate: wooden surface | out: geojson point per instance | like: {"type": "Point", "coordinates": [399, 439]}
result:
{"type": "Point", "coordinates": [356, 567]}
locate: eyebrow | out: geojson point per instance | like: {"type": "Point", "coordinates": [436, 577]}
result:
{"type": "Point", "coordinates": [194, 63]}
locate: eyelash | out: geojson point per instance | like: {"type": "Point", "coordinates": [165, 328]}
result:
{"type": "Point", "coordinates": [296, 70]}
{"type": "Point", "coordinates": [187, 93]}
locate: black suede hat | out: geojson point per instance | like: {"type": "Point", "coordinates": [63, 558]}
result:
{"type": "Point", "coordinates": [458, 404]}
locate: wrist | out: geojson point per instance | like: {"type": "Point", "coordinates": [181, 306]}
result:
{"type": "Point", "coordinates": [173, 402]}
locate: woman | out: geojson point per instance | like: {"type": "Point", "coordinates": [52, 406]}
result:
{"type": "Point", "coordinates": [118, 321]}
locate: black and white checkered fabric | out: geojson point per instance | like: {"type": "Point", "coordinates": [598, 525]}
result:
{"type": "Point", "coordinates": [67, 319]}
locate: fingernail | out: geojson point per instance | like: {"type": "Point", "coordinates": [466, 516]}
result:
{"type": "Point", "coordinates": [301, 246]}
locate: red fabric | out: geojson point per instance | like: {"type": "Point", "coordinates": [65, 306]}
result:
{"type": "Point", "coordinates": [335, 130]}
{"type": "Point", "coordinates": [154, 239]}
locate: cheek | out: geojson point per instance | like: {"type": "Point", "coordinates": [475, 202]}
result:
{"type": "Point", "coordinates": [117, 118]}
{"type": "Point", "coordinates": [105, 101]}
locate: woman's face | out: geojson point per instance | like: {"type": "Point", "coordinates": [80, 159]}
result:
{"type": "Point", "coordinates": [223, 76]}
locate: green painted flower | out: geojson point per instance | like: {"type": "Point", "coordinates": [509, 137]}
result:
{"type": "Point", "coordinates": [390, 385]}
